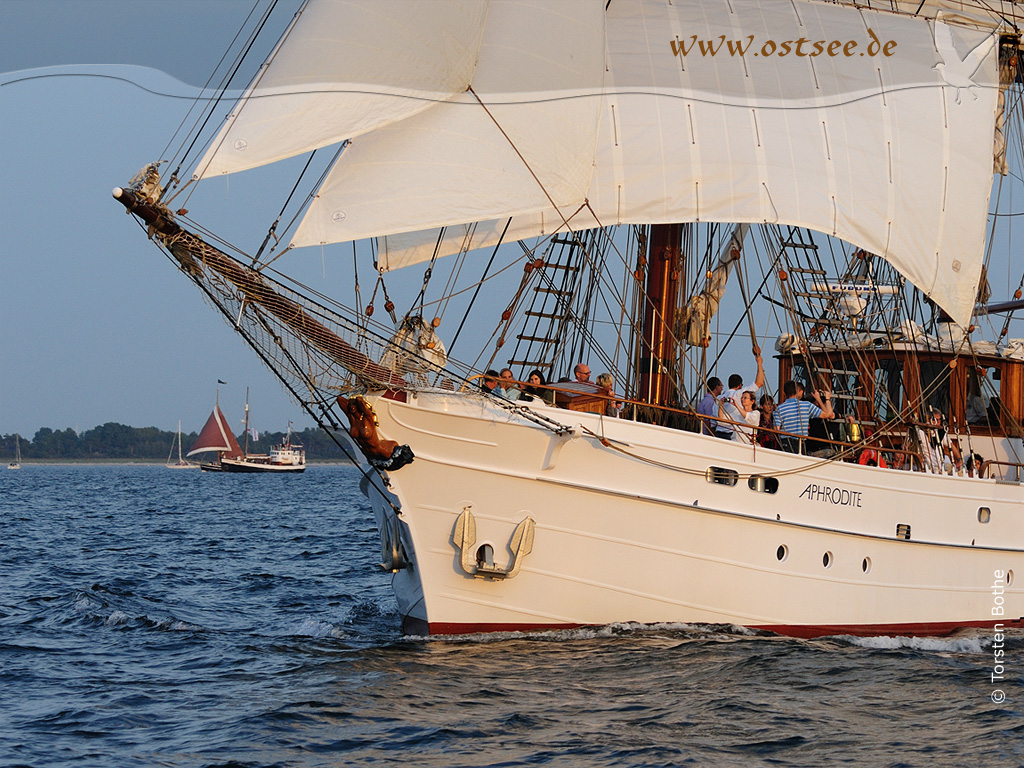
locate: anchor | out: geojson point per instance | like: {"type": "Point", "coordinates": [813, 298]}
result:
{"type": "Point", "coordinates": [481, 562]}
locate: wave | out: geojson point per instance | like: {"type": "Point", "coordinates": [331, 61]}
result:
{"type": "Point", "coordinates": [311, 627]}
{"type": "Point", "coordinates": [677, 630]}
{"type": "Point", "coordinates": [941, 644]}
{"type": "Point", "coordinates": [88, 608]}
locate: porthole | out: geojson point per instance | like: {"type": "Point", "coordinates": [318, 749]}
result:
{"type": "Point", "coordinates": [763, 484]}
{"type": "Point", "coordinates": [984, 514]}
{"type": "Point", "coordinates": [782, 553]}
{"type": "Point", "coordinates": [1009, 578]}
{"type": "Point", "coordinates": [722, 476]}
{"type": "Point", "coordinates": [826, 560]}
{"type": "Point", "coordinates": [865, 565]}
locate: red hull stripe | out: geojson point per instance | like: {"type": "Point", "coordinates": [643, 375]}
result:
{"type": "Point", "coordinates": [930, 629]}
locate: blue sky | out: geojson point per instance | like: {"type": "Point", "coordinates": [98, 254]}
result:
{"type": "Point", "coordinates": [97, 325]}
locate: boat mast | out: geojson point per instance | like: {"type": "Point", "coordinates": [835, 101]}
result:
{"type": "Point", "coordinates": [245, 451]}
{"type": "Point", "coordinates": [657, 343]}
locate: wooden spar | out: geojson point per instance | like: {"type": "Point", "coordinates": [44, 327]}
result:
{"type": "Point", "coordinates": [658, 345]}
{"type": "Point", "coordinates": [1002, 306]}
{"type": "Point", "coordinates": [187, 248]}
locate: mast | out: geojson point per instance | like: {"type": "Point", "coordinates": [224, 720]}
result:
{"type": "Point", "coordinates": [245, 451]}
{"type": "Point", "coordinates": [216, 410]}
{"type": "Point", "coordinates": [657, 344]}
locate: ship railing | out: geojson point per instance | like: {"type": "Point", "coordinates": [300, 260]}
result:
{"type": "Point", "coordinates": [836, 449]}
{"type": "Point", "coordinates": [588, 397]}
{"type": "Point", "coordinates": [1013, 473]}
{"type": "Point", "coordinates": [585, 397]}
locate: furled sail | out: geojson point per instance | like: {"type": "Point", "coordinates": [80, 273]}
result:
{"type": "Point", "coordinates": [697, 315]}
{"type": "Point", "coordinates": [215, 436]}
{"type": "Point", "coordinates": [616, 114]}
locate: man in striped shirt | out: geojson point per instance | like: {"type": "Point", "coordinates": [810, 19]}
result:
{"type": "Point", "coordinates": [794, 414]}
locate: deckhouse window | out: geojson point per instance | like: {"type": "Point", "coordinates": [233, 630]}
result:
{"type": "Point", "coordinates": [801, 376]}
{"type": "Point", "coordinates": [888, 389]}
{"type": "Point", "coordinates": [981, 405]}
{"type": "Point", "coordinates": [846, 388]}
{"type": "Point", "coordinates": [935, 384]}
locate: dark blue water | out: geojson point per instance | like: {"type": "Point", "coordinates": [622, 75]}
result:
{"type": "Point", "coordinates": [154, 617]}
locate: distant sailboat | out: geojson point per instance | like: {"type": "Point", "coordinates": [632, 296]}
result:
{"type": "Point", "coordinates": [180, 463]}
{"type": "Point", "coordinates": [216, 437]}
{"type": "Point", "coordinates": [16, 464]}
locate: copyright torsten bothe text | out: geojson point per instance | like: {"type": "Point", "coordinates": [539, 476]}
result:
{"type": "Point", "coordinates": [998, 638]}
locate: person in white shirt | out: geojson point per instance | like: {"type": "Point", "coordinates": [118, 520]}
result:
{"type": "Point", "coordinates": [509, 387]}
{"type": "Point", "coordinates": [736, 388]}
{"type": "Point", "coordinates": [746, 412]}
{"type": "Point", "coordinates": [936, 445]}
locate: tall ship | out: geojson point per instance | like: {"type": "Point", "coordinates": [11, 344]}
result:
{"type": "Point", "coordinates": [817, 196]}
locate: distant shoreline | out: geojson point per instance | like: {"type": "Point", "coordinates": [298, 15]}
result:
{"type": "Point", "coordinates": [152, 462]}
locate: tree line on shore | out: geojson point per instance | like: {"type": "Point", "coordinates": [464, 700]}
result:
{"type": "Point", "coordinates": [118, 441]}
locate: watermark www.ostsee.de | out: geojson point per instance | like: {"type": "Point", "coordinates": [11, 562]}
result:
{"type": "Point", "coordinates": [800, 47]}
{"type": "Point", "coordinates": [998, 695]}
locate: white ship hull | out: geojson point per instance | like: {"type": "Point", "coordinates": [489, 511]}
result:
{"type": "Point", "coordinates": [624, 539]}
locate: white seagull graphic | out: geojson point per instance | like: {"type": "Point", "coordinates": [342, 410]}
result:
{"type": "Point", "coordinates": [954, 71]}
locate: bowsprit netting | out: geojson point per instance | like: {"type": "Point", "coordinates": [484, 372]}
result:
{"type": "Point", "coordinates": [317, 351]}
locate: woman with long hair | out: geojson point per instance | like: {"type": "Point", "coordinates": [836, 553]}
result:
{"type": "Point", "coordinates": [765, 438]}
{"type": "Point", "coordinates": [535, 388]}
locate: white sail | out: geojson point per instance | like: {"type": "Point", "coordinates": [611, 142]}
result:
{"type": "Point", "coordinates": [523, 140]}
{"type": "Point", "coordinates": [878, 150]}
{"type": "Point", "coordinates": [346, 67]}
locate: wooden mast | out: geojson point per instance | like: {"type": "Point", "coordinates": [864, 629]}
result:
{"type": "Point", "coordinates": [657, 343]}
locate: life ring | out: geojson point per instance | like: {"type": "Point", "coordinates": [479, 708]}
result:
{"type": "Point", "coordinates": [871, 455]}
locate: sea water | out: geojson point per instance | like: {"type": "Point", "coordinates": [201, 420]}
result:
{"type": "Point", "coordinates": [157, 617]}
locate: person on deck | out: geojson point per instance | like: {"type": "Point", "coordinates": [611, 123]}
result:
{"type": "Point", "coordinates": [747, 412]}
{"type": "Point", "coordinates": [733, 408]}
{"type": "Point", "coordinates": [582, 373]}
{"type": "Point", "coordinates": [509, 388]}
{"type": "Point", "coordinates": [765, 438]}
{"type": "Point", "coordinates": [607, 384]}
{"type": "Point", "coordinates": [490, 384]}
{"type": "Point", "coordinates": [709, 406]}
{"type": "Point", "coordinates": [936, 446]}
{"type": "Point", "coordinates": [794, 414]}
{"type": "Point", "coordinates": [535, 388]}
